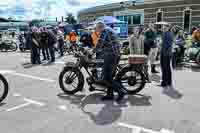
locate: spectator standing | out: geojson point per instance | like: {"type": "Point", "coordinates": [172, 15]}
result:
{"type": "Point", "coordinates": [44, 43]}
{"type": "Point", "coordinates": [35, 52]}
{"type": "Point", "coordinates": [166, 56]}
{"type": "Point", "coordinates": [60, 37]}
{"type": "Point", "coordinates": [51, 44]}
{"type": "Point", "coordinates": [136, 42]}
{"type": "Point", "coordinates": [151, 48]}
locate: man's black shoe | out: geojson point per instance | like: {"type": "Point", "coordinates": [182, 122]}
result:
{"type": "Point", "coordinates": [52, 60]}
{"type": "Point", "coordinates": [120, 97]}
{"type": "Point", "coordinates": [163, 84]}
{"type": "Point", "coordinates": [107, 98]}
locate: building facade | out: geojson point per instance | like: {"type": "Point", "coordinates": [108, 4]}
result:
{"type": "Point", "coordinates": [119, 10]}
{"type": "Point", "coordinates": [185, 13]}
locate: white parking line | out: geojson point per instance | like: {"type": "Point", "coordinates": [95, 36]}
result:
{"type": "Point", "coordinates": [6, 71]}
{"type": "Point", "coordinates": [137, 129]}
{"type": "Point", "coordinates": [33, 102]}
{"type": "Point", "coordinates": [28, 102]}
{"type": "Point", "coordinates": [33, 77]}
{"type": "Point", "coordinates": [18, 107]}
{"type": "Point", "coordinates": [62, 107]}
{"type": "Point", "coordinates": [16, 94]}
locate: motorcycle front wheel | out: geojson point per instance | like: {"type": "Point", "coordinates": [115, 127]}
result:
{"type": "Point", "coordinates": [3, 88]}
{"type": "Point", "coordinates": [71, 80]}
{"type": "Point", "coordinates": [132, 80]}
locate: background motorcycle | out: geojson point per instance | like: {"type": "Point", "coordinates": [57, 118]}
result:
{"type": "Point", "coordinates": [8, 45]}
{"type": "Point", "coordinates": [178, 53]}
{"type": "Point", "coordinates": [193, 53]}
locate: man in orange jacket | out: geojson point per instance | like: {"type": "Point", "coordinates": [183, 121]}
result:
{"type": "Point", "coordinates": [95, 37]}
{"type": "Point", "coordinates": [72, 37]}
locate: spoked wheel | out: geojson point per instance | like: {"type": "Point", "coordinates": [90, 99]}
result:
{"type": "Point", "coordinates": [71, 80]}
{"type": "Point", "coordinates": [14, 47]}
{"type": "Point", "coordinates": [3, 88]}
{"type": "Point", "coordinates": [133, 81]}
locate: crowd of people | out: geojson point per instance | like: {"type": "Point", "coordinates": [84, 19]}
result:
{"type": "Point", "coordinates": [143, 41]}
{"type": "Point", "coordinates": [46, 41]}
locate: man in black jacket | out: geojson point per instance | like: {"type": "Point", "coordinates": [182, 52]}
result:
{"type": "Point", "coordinates": [35, 52]}
{"type": "Point", "coordinates": [51, 42]}
{"type": "Point", "coordinates": [44, 44]}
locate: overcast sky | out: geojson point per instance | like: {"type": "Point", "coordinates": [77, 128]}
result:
{"type": "Point", "coordinates": [30, 9]}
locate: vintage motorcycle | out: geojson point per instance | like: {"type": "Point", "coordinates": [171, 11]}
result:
{"type": "Point", "coordinates": [3, 88]}
{"type": "Point", "coordinates": [6, 45]}
{"type": "Point", "coordinates": [71, 79]}
{"type": "Point", "coordinates": [193, 53]}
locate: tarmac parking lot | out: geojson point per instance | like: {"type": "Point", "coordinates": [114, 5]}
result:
{"type": "Point", "coordinates": [37, 104]}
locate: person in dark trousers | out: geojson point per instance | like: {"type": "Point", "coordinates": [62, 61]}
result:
{"type": "Point", "coordinates": [44, 43]}
{"type": "Point", "coordinates": [51, 42]}
{"type": "Point", "coordinates": [108, 42]}
{"type": "Point", "coordinates": [60, 37]}
{"type": "Point", "coordinates": [166, 56]}
{"type": "Point", "coordinates": [35, 52]}
{"type": "Point", "coordinates": [150, 48]}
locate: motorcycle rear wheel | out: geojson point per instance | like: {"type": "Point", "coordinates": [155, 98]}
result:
{"type": "Point", "coordinates": [128, 78]}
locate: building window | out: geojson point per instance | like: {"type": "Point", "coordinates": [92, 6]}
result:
{"type": "Point", "coordinates": [136, 19]}
{"type": "Point", "coordinates": [126, 18]}
{"type": "Point", "coordinates": [159, 16]}
{"type": "Point", "coordinates": [121, 18]}
{"type": "Point", "coordinates": [130, 20]}
{"type": "Point", "coordinates": [187, 20]}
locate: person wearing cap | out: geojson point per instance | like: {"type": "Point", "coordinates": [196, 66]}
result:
{"type": "Point", "coordinates": [166, 56]}
{"type": "Point", "coordinates": [108, 43]}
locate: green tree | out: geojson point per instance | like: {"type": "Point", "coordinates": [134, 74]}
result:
{"type": "Point", "coordinates": [70, 19]}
